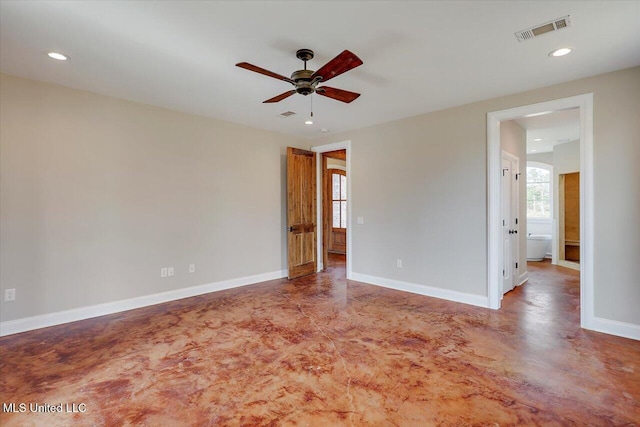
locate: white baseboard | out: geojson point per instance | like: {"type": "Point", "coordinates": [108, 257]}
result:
{"type": "Point", "coordinates": [568, 264]}
{"type": "Point", "coordinates": [478, 300]}
{"type": "Point", "coordinates": [613, 327]}
{"type": "Point", "coordinates": [36, 322]}
{"type": "Point", "coordinates": [523, 278]}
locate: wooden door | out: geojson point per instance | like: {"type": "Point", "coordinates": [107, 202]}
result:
{"type": "Point", "coordinates": [571, 216]}
{"type": "Point", "coordinates": [301, 212]}
{"type": "Point", "coordinates": [338, 211]}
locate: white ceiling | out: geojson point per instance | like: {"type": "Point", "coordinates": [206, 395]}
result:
{"type": "Point", "coordinates": [418, 56]}
{"type": "Point", "coordinates": [554, 128]}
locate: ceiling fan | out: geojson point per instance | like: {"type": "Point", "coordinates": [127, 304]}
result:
{"type": "Point", "coordinates": [306, 81]}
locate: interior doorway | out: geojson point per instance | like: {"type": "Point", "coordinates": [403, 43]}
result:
{"type": "Point", "coordinates": [495, 230]}
{"type": "Point", "coordinates": [334, 203]}
{"type": "Point", "coordinates": [339, 153]}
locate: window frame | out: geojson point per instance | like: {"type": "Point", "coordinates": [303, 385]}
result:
{"type": "Point", "coordinates": [341, 173]}
{"type": "Point", "coordinates": [548, 167]}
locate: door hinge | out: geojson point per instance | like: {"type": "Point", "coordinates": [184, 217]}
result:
{"type": "Point", "coordinates": [516, 221]}
{"type": "Point", "coordinates": [504, 222]}
{"type": "Point", "coordinates": [516, 265]}
{"type": "Point", "coordinates": [502, 273]}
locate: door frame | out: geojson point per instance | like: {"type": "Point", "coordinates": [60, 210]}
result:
{"type": "Point", "coordinates": [494, 164]}
{"type": "Point", "coordinates": [343, 145]}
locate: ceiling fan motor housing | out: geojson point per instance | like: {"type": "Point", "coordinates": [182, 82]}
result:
{"type": "Point", "coordinates": [303, 82]}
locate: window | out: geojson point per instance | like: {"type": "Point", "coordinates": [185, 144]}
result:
{"type": "Point", "coordinates": [339, 199]}
{"type": "Point", "coordinates": [538, 192]}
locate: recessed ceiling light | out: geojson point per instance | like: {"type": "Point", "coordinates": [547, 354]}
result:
{"type": "Point", "coordinates": [308, 122]}
{"type": "Point", "coordinates": [533, 151]}
{"type": "Point", "coordinates": [537, 139]}
{"type": "Point", "coordinates": [560, 52]}
{"type": "Point", "coordinates": [324, 130]}
{"type": "Point", "coordinates": [58, 56]}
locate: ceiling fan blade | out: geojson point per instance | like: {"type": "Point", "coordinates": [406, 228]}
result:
{"type": "Point", "coordinates": [338, 65]}
{"type": "Point", "coordinates": [257, 69]}
{"type": "Point", "coordinates": [338, 94]}
{"type": "Point", "coordinates": [280, 97]}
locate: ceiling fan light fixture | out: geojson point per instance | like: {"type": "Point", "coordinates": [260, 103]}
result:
{"type": "Point", "coordinates": [560, 52]}
{"type": "Point", "coordinates": [58, 56]}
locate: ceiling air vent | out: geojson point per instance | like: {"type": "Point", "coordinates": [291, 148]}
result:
{"type": "Point", "coordinates": [286, 114]}
{"type": "Point", "coordinates": [556, 24]}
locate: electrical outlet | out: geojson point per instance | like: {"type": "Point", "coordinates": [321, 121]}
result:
{"type": "Point", "coordinates": [170, 271]}
{"type": "Point", "coordinates": [10, 294]}
{"type": "Point", "coordinates": [192, 268]}
{"type": "Point", "coordinates": [399, 263]}
{"type": "Point", "coordinates": [163, 272]}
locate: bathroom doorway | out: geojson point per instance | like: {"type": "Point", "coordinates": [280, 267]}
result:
{"type": "Point", "coordinates": [583, 105]}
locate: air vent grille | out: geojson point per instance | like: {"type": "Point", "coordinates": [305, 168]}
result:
{"type": "Point", "coordinates": [286, 114]}
{"type": "Point", "coordinates": [547, 27]}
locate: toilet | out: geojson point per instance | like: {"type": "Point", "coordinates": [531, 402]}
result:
{"type": "Point", "coordinates": [538, 245]}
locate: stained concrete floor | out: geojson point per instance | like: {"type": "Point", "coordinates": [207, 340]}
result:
{"type": "Point", "coordinates": [323, 351]}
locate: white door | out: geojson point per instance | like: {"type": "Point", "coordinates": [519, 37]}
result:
{"type": "Point", "coordinates": [510, 238]}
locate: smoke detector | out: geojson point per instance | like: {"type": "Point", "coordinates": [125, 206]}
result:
{"type": "Point", "coordinates": [547, 27]}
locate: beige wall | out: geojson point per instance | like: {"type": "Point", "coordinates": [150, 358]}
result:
{"type": "Point", "coordinates": [566, 157]}
{"type": "Point", "coordinates": [513, 140]}
{"type": "Point", "coordinates": [421, 185]}
{"type": "Point", "coordinates": [546, 157]}
{"type": "Point", "coordinates": [97, 194]}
